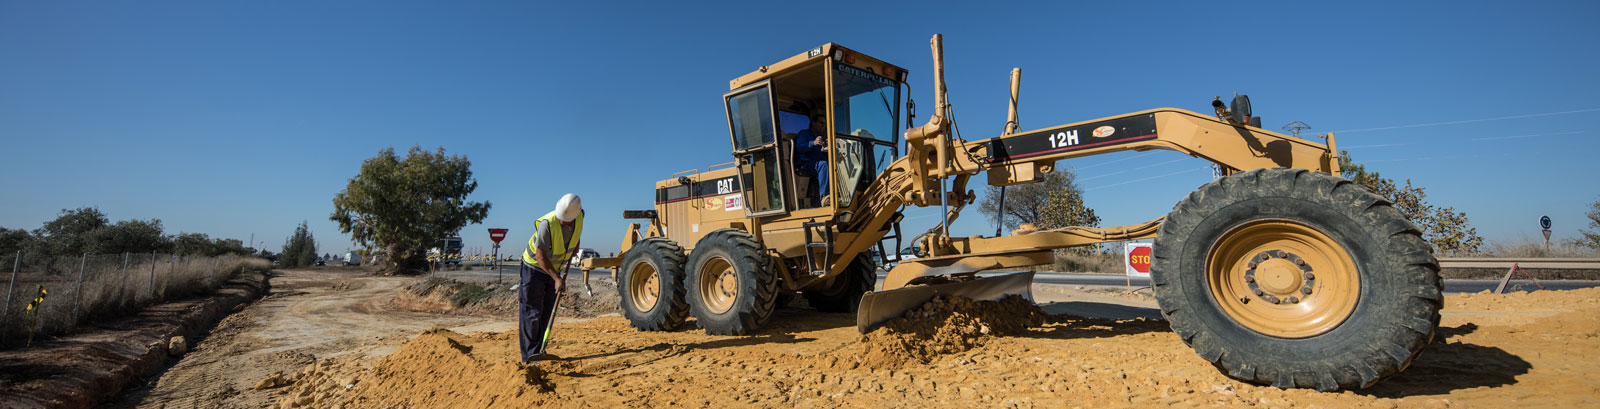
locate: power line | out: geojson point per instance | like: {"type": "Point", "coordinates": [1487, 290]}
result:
{"type": "Point", "coordinates": [1133, 169]}
{"type": "Point", "coordinates": [1159, 176]}
{"type": "Point", "coordinates": [1468, 121]}
{"type": "Point", "coordinates": [1526, 136]}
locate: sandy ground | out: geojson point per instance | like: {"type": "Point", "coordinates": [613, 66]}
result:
{"type": "Point", "coordinates": [1517, 350]}
{"type": "Point", "coordinates": [307, 316]}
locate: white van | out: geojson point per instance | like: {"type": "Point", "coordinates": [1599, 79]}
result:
{"type": "Point", "coordinates": [580, 254]}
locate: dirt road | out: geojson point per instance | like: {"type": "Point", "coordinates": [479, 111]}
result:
{"type": "Point", "coordinates": [1520, 350]}
{"type": "Point", "coordinates": [308, 316]}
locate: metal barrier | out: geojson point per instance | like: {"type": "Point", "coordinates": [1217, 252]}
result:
{"type": "Point", "coordinates": [1515, 265]}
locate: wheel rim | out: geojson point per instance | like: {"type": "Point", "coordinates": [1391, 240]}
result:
{"type": "Point", "coordinates": [1283, 278]}
{"type": "Point", "coordinates": [719, 285]}
{"type": "Point", "coordinates": [644, 284]}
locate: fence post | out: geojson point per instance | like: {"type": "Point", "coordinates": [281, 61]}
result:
{"type": "Point", "coordinates": [16, 265]}
{"type": "Point", "coordinates": [78, 298]}
{"type": "Point", "coordinates": [172, 270]}
{"type": "Point", "coordinates": [123, 289]}
{"type": "Point", "coordinates": [152, 285]}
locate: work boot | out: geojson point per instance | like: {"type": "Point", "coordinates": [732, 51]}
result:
{"type": "Point", "coordinates": [544, 357]}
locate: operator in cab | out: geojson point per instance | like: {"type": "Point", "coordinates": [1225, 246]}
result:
{"type": "Point", "coordinates": [811, 154]}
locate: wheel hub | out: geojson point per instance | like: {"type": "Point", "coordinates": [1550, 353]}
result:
{"type": "Point", "coordinates": [728, 284]}
{"type": "Point", "coordinates": [644, 285]}
{"type": "Point", "coordinates": [719, 285]}
{"type": "Point", "coordinates": [1279, 277]}
{"type": "Point", "coordinates": [1282, 278]}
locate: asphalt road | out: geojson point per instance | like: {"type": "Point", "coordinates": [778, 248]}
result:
{"type": "Point", "coordinates": [510, 272]}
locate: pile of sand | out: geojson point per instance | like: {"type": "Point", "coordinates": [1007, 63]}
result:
{"type": "Point", "coordinates": [946, 325]}
{"type": "Point", "coordinates": [435, 370]}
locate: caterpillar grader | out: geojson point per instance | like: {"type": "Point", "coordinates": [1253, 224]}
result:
{"type": "Point", "coordinates": [1278, 272]}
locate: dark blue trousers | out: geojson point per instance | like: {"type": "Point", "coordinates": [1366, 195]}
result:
{"type": "Point", "coordinates": [536, 299]}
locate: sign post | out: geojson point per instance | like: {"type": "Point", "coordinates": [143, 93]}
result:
{"type": "Point", "coordinates": [1544, 227]}
{"type": "Point", "coordinates": [1137, 257]}
{"type": "Point", "coordinates": [497, 235]}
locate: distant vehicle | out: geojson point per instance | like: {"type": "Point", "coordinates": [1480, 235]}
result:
{"type": "Point", "coordinates": [352, 259]}
{"type": "Point", "coordinates": [319, 262]}
{"type": "Point", "coordinates": [451, 253]}
{"type": "Point", "coordinates": [905, 254]}
{"type": "Point", "coordinates": [580, 254]}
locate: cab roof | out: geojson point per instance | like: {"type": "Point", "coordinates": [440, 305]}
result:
{"type": "Point", "coordinates": [829, 50]}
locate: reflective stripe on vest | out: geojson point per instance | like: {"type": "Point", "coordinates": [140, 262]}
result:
{"type": "Point", "coordinates": [558, 242]}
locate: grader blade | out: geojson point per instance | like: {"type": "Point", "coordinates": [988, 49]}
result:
{"type": "Point", "coordinates": [881, 306]}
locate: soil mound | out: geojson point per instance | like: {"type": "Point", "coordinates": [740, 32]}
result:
{"type": "Point", "coordinates": [436, 294]}
{"type": "Point", "coordinates": [946, 325]}
{"type": "Point", "coordinates": [435, 370]}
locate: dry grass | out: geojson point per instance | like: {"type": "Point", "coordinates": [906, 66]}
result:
{"type": "Point", "coordinates": [1525, 246]}
{"type": "Point", "coordinates": [1100, 262]}
{"type": "Point", "coordinates": [111, 286]}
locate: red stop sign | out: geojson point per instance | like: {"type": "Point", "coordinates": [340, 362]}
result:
{"type": "Point", "coordinates": [1139, 259]}
{"type": "Point", "coordinates": [497, 234]}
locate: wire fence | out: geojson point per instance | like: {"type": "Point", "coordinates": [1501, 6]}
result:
{"type": "Point", "coordinates": [49, 295]}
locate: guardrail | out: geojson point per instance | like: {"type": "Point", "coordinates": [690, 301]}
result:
{"type": "Point", "coordinates": [1515, 265]}
{"type": "Point", "coordinates": [1523, 262]}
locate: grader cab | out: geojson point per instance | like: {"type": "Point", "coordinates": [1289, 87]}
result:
{"type": "Point", "coordinates": [1279, 272]}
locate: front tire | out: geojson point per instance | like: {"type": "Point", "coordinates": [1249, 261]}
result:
{"type": "Point", "coordinates": [650, 283]}
{"type": "Point", "coordinates": [731, 291]}
{"type": "Point", "coordinates": [1296, 279]}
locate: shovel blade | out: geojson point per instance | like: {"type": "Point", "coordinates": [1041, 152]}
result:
{"type": "Point", "coordinates": [881, 306]}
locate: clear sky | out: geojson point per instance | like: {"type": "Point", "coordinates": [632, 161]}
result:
{"type": "Point", "coordinates": [240, 118]}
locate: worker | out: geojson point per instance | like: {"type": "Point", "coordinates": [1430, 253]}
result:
{"type": "Point", "coordinates": [812, 155]}
{"type": "Point", "coordinates": [555, 237]}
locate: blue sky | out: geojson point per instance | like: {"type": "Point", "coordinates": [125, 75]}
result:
{"type": "Point", "coordinates": [240, 118]}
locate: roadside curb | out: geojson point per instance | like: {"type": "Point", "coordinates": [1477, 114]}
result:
{"type": "Point", "coordinates": [85, 369]}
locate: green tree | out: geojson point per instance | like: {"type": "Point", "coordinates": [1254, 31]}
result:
{"type": "Point", "coordinates": [192, 244]}
{"type": "Point", "coordinates": [14, 240]}
{"type": "Point", "coordinates": [403, 205]}
{"type": "Point", "coordinates": [1591, 238]}
{"type": "Point", "coordinates": [68, 234]}
{"type": "Point", "coordinates": [1055, 201]}
{"type": "Point", "coordinates": [300, 249]}
{"type": "Point", "coordinates": [1447, 229]}
{"type": "Point", "coordinates": [129, 236]}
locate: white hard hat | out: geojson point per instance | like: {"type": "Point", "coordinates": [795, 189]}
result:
{"type": "Point", "coordinates": [569, 207]}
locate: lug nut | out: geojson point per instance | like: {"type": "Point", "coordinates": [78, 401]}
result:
{"type": "Point", "coordinates": [1253, 264]}
{"type": "Point", "coordinates": [1300, 262]}
{"type": "Point", "coordinates": [1249, 278]}
{"type": "Point", "coordinates": [1305, 290]}
{"type": "Point", "coordinates": [1293, 300]}
{"type": "Point", "coordinates": [1259, 292]}
{"type": "Point", "coordinates": [1310, 276]}
{"type": "Point", "coordinates": [1274, 300]}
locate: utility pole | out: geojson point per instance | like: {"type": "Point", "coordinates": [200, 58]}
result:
{"type": "Point", "coordinates": [1295, 128]}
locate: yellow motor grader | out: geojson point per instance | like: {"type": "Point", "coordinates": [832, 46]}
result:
{"type": "Point", "coordinates": [1278, 272]}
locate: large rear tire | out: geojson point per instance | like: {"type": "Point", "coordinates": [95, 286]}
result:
{"type": "Point", "coordinates": [650, 283]}
{"type": "Point", "coordinates": [845, 296]}
{"type": "Point", "coordinates": [731, 291]}
{"type": "Point", "coordinates": [1296, 279]}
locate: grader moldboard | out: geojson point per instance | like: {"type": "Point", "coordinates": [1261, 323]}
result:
{"type": "Point", "coordinates": [1279, 272]}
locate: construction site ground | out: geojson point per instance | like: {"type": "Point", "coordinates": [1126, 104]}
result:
{"type": "Point", "coordinates": [347, 340]}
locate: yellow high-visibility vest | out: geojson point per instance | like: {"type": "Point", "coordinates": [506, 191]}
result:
{"type": "Point", "coordinates": [558, 242]}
